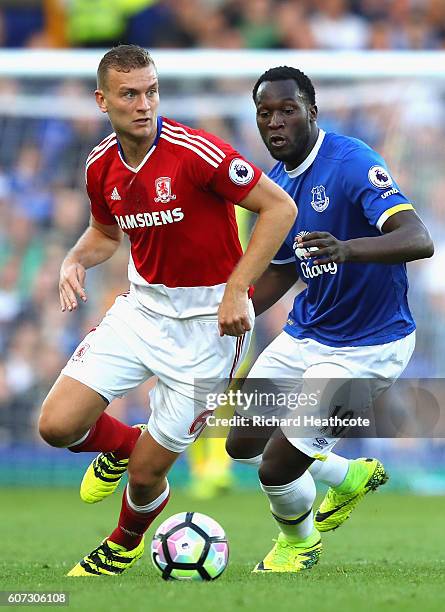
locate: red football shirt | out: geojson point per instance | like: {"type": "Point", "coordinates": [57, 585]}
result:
{"type": "Point", "coordinates": [177, 209]}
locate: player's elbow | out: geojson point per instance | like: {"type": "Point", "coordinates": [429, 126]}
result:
{"type": "Point", "coordinates": [418, 242]}
{"type": "Point", "coordinates": [282, 213]}
{"type": "Point", "coordinates": [426, 245]}
{"type": "Point", "coordinates": [282, 204]}
{"type": "Point", "coordinates": [429, 247]}
{"type": "Point", "coordinates": [289, 208]}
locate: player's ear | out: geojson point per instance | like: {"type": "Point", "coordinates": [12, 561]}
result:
{"type": "Point", "coordinates": [100, 100]}
{"type": "Point", "coordinates": [313, 112]}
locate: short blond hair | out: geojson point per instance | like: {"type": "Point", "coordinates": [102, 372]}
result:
{"type": "Point", "coordinates": [122, 58]}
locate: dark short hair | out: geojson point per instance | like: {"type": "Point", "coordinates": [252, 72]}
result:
{"type": "Point", "coordinates": [284, 73]}
{"type": "Point", "coordinates": [122, 58]}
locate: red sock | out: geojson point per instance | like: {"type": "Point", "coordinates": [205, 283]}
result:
{"type": "Point", "coordinates": [109, 434]}
{"type": "Point", "coordinates": [132, 525]}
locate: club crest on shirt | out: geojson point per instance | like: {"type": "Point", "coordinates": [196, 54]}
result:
{"type": "Point", "coordinates": [163, 186]}
{"type": "Point", "coordinates": [379, 177]}
{"type": "Point", "coordinates": [240, 172]}
{"type": "Point", "coordinates": [320, 201]}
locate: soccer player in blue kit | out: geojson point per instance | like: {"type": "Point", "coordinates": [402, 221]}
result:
{"type": "Point", "coordinates": [354, 233]}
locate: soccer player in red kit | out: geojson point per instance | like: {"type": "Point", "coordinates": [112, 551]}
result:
{"type": "Point", "coordinates": [187, 315]}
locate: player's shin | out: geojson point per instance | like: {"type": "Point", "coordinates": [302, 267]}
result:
{"type": "Point", "coordinates": [122, 549]}
{"type": "Point", "coordinates": [291, 507]}
{"type": "Point", "coordinates": [298, 546]}
{"type": "Point", "coordinates": [134, 520]}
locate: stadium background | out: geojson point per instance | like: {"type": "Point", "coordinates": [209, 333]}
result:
{"type": "Point", "coordinates": [379, 72]}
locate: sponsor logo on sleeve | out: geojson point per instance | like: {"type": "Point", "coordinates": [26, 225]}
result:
{"type": "Point", "coordinates": [388, 193]}
{"type": "Point", "coordinates": [379, 177]}
{"type": "Point", "coordinates": [240, 172]}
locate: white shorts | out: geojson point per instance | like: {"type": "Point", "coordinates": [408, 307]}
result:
{"type": "Point", "coordinates": [306, 363]}
{"type": "Point", "coordinates": [132, 344]}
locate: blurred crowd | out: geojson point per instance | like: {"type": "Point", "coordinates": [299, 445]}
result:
{"type": "Point", "coordinates": [228, 24]}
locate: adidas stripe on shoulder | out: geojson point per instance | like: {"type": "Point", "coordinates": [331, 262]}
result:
{"type": "Point", "coordinates": [103, 143]}
{"type": "Point", "coordinates": [203, 147]}
{"type": "Point", "coordinates": [98, 151]}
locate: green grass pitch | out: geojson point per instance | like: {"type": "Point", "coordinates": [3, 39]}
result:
{"type": "Point", "coordinates": [389, 556]}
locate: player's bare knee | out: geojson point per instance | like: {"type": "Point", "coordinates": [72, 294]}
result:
{"type": "Point", "coordinates": [274, 472]}
{"type": "Point", "coordinates": [241, 448]}
{"type": "Point", "coordinates": [143, 479]}
{"type": "Point", "coordinates": [268, 473]}
{"type": "Point", "coordinates": [244, 456]}
{"type": "Point", "coordinates": [233, 449]}
{"type": "Point", "coordinates": [54, 433]}
{"type": "Point", "coordinates": [142, 487]}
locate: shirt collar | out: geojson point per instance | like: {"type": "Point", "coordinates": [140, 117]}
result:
{"type": "Point", "coordinates": [309, 159]}
{"type": "Point", "coordinates": [149, 152]}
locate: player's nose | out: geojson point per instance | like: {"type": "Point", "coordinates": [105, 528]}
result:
{"type": "Point", "coordinates": [276, 120]}
{"type": "Point", "coordinates": [143, 102]}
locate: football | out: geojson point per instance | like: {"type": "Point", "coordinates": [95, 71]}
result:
{"type": "Point", "coordinates": [190, 546]}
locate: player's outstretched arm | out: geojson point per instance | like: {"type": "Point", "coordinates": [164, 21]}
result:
{"type": "Point", "coordinates": [405, 238]}
{"type": "Point", "coordinates": [276, 214]}
{"type": "Point", "coordinates": [275, 281]}
{"type": "Point", "coordinates": [97, 244]}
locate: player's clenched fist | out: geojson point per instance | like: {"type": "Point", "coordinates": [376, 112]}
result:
{"type": "Point", "coordinates": [233, 313]}
{"type": "Point", "coordinates": [71, 282]}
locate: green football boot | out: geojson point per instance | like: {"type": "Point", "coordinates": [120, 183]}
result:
{"type": "Point", "coordinates": [108, 559]}
{"type": "Point", "coordinates": [103, 476]}
{"type": "Point", "coordinates": [291, 558]}
{"type": "Point", "coordinates": [337, 506]}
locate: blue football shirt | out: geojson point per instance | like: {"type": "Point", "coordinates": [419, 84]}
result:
{"type": "Point", "coordinates": [344, 187]}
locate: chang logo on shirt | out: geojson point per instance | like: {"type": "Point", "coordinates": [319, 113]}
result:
{"type": "Point", "coordinates": [308, 269]}
{"type": "Point", "coordinates": [320, 200]}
